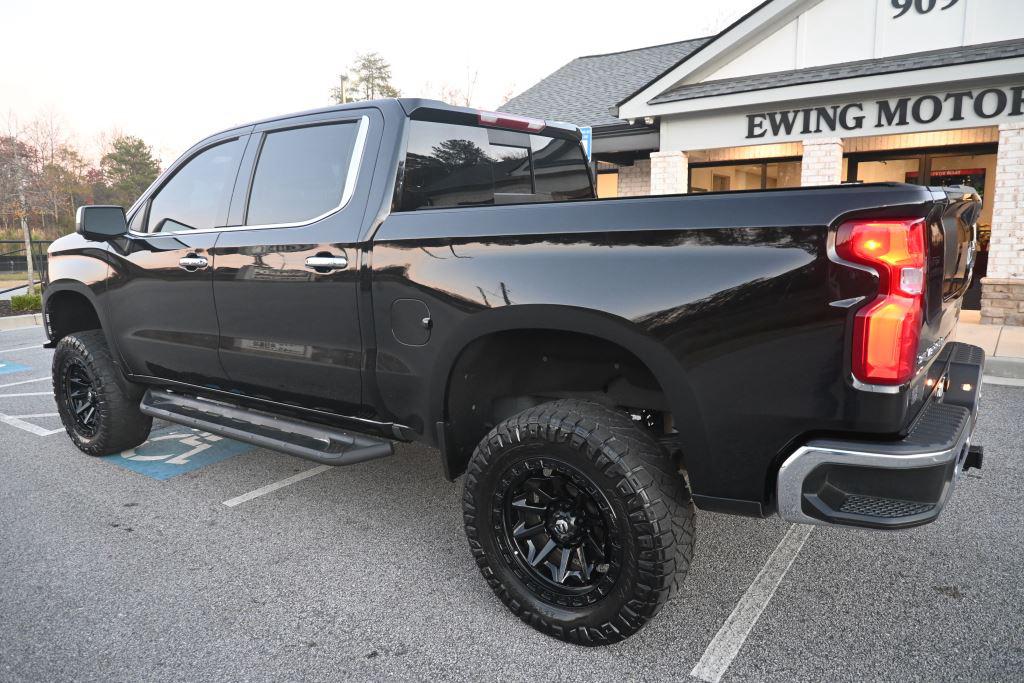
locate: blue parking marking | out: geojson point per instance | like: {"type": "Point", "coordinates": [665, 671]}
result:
{"type": "Point", "coordinates": [172, 451]}
{"type": "Point", "coordinates": [7, 367]}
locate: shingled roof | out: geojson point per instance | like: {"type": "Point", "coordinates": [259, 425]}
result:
{"type": "Point", "coordinates": [868, 67]}
{"type": "Point", "coordinates": [584, 91]}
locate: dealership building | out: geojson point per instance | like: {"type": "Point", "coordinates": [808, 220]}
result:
{"type": "Point", "coordinates": [816, 92]}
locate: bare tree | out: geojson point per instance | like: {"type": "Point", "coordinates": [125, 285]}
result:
{"type": "Point", "coordinates": [20, 175]}
{"type": "Point", "coordinates": [454, 95]}
{"type": "Point", "coordinates": [46, 133]}
{"type": "Point", "coordinates": [507, 94]}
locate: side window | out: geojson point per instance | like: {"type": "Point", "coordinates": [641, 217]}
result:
{"type": "Point", "coordinates": [560, 169]}
{"type": "Point", "coordinates": [197, 196]}
{"type": "Point", "coordinates": [301, 173]}
{"type": "Point", "coordinates": [138, 221]}
{"type": "Point", "coordinates": [447, 165]}
{"type": "Point", "coordinates": [455, 165]}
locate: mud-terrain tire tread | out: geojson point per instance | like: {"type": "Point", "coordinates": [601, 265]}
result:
{"type": "Point", "coordinates": [121, 424]}
{"type": "Point", "coordinates": [638, 471]}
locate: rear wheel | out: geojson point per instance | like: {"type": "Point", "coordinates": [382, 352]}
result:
{"type": "Point", "coordinates": [578, 521]}
{"type": "Point", "coordinates": [98, 406]}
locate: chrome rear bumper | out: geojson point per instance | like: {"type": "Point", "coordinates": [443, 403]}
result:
{"type": "Point", "coordinates": [894, 484]}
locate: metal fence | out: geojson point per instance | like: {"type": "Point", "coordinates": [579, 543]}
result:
{"type": "Point", "coordinates": [14, 264]}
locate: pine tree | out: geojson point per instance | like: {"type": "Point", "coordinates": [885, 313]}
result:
{"type": "Point", "coordinates": [128, 169]}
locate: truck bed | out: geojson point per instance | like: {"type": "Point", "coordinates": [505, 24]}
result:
{"type": "Point", "coordinates": [732, 300]}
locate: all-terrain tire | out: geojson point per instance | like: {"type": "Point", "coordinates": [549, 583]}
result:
{"type": "Point", "coordinates": [117, 423]}
{"type": "Point", "coordinates": [651, 517]}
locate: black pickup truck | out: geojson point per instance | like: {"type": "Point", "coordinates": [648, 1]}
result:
{"type": "Point", "coordinates": [327, 283]}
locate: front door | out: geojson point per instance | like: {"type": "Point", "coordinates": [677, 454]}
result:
{"type": "Point", "coordinates": [161, 296]}
{"type": "Point", "coordinates": [286, 280]}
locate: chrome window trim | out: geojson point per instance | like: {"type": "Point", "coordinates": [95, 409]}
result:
{"type": "Point", "coordinates": [351, 177]}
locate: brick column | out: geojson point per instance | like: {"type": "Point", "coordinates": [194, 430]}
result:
{"type": "Point", "coordinates": [635, 180]}
{"type": "Point", "coordinates": [822, 162]}
{"type": "Point", "coordinates": [1002, 291]}
{"type": "Point", "coordinates": [670, 172]}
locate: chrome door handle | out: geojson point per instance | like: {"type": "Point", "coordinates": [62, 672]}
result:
{"type": "Point", "coordinates": [193, 262]}
{"type": "Point", "coordinates": [327, 263]}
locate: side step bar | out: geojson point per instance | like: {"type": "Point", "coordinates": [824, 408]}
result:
{"type": "Point", "coordinates": [295, 437]}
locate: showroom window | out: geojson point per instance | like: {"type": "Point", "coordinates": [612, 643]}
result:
{"type": "Point", "coordinates": [744, 175]}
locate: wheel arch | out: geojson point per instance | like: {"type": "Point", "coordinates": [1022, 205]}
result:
{"type": "Point", "coordinates": [70, 306]}
{"type": "Point", "coordinates": [607, 331]}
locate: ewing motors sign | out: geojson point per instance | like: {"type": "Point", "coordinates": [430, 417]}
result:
{"type": "Point", "coordinates": [959, 109]}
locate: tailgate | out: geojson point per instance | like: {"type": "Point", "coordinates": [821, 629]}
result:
{"type": "Point", "coordinates": [952, 241]}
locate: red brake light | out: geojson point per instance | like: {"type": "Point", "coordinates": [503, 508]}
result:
{"type": "Point", "coordinates": [492, 118]}
{"type": "Point", "coordinates": [887, 331]}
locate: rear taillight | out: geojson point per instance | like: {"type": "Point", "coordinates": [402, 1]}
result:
{"type": "Point", "coordinates": [887, 330]}
{"type": "Point", "coordinates": [497, 120]}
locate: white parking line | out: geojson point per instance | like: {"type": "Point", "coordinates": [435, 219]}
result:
{"type": "Point", "coordinates": [25, 381]}
{"type": "Point", "coordinates": [269, 488]}
{"type": "Point", "coordinates": [26, 417]}
{"type": "Point", "coordinates": [24, 348]}
{"type": "Point", "coordinates": [16, 421]}
{"type": "Point", "coordinates": [729, 640]}
{"type": "Point", "coordinates": [31, 393]}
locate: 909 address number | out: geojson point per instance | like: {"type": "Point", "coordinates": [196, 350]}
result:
{"type": "Point", "coordinates": [921, 6]}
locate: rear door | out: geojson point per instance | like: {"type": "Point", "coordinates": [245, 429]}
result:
{"type": "Point", "coordinates": [287, 275]}
{"type": "Point", "coordinates": [160, 298]}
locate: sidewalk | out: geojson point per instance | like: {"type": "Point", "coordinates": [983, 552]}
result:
{"type": "Point", "coordinates": [1003, 344]}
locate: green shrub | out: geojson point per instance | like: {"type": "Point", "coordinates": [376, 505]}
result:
{"type": "Point", "coordinates": [26, 303]}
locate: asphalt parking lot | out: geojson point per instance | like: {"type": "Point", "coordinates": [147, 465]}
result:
{"type": "Point", "coordinates": [133, 568]}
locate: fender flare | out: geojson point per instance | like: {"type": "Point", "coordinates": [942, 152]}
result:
{"type": "Point", "coordinates": [78, 287]}
{"type": "Point", "coordinates": [651, 352]}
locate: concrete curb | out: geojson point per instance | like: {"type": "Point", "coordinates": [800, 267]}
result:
{"type": "Point", "coordinates": [1004, 366]}
{"type": "Point", "coordinates": [14, 322]}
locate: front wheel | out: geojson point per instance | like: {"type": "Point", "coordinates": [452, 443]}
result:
{"type": "Point", "coordinates": [578, 521]}
{"type": "Point", "coordinates": [98, 406]}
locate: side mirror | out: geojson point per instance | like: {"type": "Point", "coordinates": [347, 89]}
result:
{"type": "Point", "coordinates": [100, 223]}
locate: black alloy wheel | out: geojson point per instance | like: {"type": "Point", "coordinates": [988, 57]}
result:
{"type": "Point", "coordinates": [79, 397]}
{"type": "Point", "coordinates": [556, 523]}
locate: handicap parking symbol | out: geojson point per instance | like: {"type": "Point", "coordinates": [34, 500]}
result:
{"type": "Point", "coordinates": [6, 367]}
{"type": "Point", "coordinates": [171, 451]}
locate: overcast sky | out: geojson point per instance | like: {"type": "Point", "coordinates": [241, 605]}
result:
{"type": "Point", "coordinates": [173, 72]}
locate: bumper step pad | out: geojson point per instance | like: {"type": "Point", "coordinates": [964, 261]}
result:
{"type": "Point", "coordinates": [886, 508]}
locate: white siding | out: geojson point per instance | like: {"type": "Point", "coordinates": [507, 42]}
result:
{"type": "Point", "coordinates": [777, 52]}
{"type": "Point", "coordinates": [839, 31]}
{"type": "Point", "coordinates": [991, 20]}
{"type": "Point", "coordinates": [915, 32]}
{"type": "Point", "coordinates": [824, 22]}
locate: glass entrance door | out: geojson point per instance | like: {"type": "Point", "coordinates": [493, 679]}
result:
{"type": "Point", "coordinates": [975, 167]}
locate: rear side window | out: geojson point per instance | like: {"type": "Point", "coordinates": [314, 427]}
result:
{"type": "Point", "coordinates": [454, 165]}
{"type": "Point", "coordinates": [197, 196]}
{"type": "Point", "coordinates": [301, 173]}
